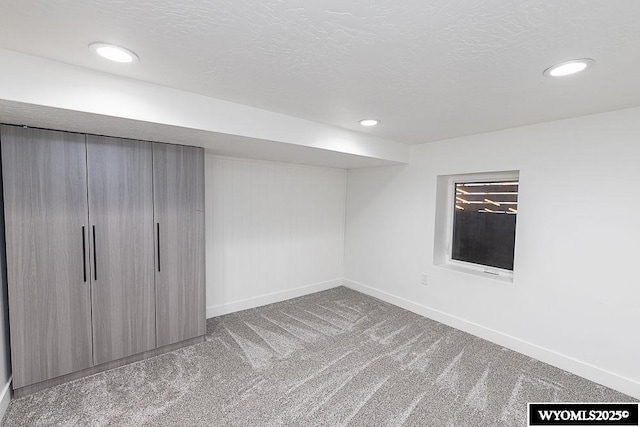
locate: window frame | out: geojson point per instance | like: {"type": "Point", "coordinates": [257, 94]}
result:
{"type": "Point", "coordinates": [445, 211]}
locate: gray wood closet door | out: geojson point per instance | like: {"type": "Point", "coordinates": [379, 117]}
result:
{"type": "Point", "coordinates": [178, 173]}
{"type": "Point", "coordinates": [45, 202]}
{"type": "Point", "coordinates": [121, 218]}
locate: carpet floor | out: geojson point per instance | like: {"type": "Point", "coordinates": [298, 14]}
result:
{"type": "Point", "coordinates": [334, 358]}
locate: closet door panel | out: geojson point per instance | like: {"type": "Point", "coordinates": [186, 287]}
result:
{"type": "Point", "coordinates": [180, 263]}
{"type": "Point", "coordinates": [121, 218]}
{"type": "Point", "coordinates": [45, 202]}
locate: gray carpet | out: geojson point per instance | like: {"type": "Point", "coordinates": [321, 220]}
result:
{"type": "Point", "coordinates": [333, 358]}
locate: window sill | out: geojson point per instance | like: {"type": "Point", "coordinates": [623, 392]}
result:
{"type": "Point", "coordinates": [478, 272]}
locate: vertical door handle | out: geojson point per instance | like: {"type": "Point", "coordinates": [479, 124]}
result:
{"type": "Point", "coordinates": [158, 229]}
{"type": "Point", "coordinates": [95, 263]}
{"type": "Point", "coordinates": [84, 256]}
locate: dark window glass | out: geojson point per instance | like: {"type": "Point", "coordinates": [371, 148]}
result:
{"type": "Point", "coordinates": [484, 223]}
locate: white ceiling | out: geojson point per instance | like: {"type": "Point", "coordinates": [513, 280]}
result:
{"type": "Point", "coordinates": [429, 70]}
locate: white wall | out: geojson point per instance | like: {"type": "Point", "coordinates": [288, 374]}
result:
{"type": "Point", "coordinates": [273, 231]}
{"type": "Point", "coordinates": [575, 302]}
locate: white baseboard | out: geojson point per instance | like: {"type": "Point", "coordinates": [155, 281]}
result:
{"type": "Point", "coordinates": [583, 369]}
{"type": "Point", "coordinates": [5, 398]}
{"type": "Point", "coordinates": [232, 307]}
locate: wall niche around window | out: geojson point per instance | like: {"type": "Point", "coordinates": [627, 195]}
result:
{"type": "Point", "coordinates": [476, 216]}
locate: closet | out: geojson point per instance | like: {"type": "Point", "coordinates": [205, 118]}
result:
{"type": "Point", "coordinates": [105, 250]}
{"type": "Point", "coordinates": [179, 218]}
{"type": "Point", "coordinates": [120, 184]}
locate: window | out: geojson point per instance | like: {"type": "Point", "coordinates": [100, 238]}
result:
{"type": "Point", "coordinates": [484, 223]}
{"type": "Point", "coordinates": [476, 223]}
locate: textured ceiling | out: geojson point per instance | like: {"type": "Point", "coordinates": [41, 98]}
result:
{"type": "Point", "coordinates": [428, 69]}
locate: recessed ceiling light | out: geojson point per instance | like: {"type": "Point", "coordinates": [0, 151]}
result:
{"type": "Point", "coordinates": [567, 68]}
{"type": "Point", "coordinates": [113, 52]}
{"type": "Point", "coordinates": [369, 122]}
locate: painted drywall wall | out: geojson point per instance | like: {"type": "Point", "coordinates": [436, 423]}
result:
{"type": "Point", "coordinates": [575, 300]}
{"type": "Point", "coordinates": [273, 231]}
